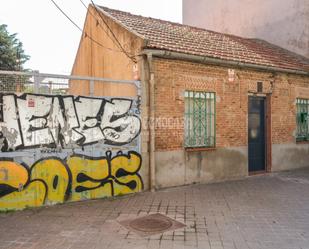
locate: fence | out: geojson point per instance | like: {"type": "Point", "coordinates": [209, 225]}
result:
{"type": "Point", "coordinates": [67, 138]}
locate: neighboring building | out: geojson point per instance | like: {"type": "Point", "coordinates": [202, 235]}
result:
{"type": "Point", "coordinates": [284, 23]}
{"type": "Point", "coordinates": [223, 106]}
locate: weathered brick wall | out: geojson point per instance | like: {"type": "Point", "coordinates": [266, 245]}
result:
{"type": "Point", "coordinates": [285, 91]}
{"type": "Point", "coordinates": [173, 77]}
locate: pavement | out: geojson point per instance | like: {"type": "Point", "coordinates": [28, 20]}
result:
{"type": "Point", "coordinates": [267, 211]}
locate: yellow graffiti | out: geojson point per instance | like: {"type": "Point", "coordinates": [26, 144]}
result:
{"type": "Point", "coordinates": [13, 174]}
{"type": "Point", "coordinates": [54, 173]}
{"type": "Point", "coordinates": [32, 196]}
{"type": "Point", "coordinates": [53, 180]}
{"type": "Point", "coordinates": [87, 175]}
{"type": "Point", "coordinates": [124, 169]}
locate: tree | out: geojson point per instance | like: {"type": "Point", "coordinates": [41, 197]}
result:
{"type": "Point", "coordinates": [12, 54]}
{"type": "Point", "coordinates": [12, 58]}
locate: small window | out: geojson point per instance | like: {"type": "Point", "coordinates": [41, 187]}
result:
{"type": "Point", "coordinates": [302, 119]}
{"type": "Point", "coordinates": [200, 119]}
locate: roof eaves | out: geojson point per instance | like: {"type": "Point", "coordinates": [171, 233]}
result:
{"type": "Point", "coordinates": [118, 22]}
{"type": "Point", "coordinates": [163, 53]}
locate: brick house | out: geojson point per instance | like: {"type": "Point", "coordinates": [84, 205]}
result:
{"type": "Point", "coordinates": [220, 106]}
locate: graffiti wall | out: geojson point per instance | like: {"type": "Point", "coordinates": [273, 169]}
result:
{"type": "Point", "coordinates": [67, 148]}
{"type": "Point", "coordinates": [30, 121]}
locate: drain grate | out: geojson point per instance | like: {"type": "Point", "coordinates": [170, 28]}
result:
{"type": "Point", "coordinates": [151, 224]}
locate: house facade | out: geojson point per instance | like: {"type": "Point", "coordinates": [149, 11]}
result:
{"type": "Point", "coordinates": [214, 106]}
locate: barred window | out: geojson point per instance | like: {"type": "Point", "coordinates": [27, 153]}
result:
{"type": "Point", "coordinates": [200, 119]}
{"type": "Point", "coordinates": [302, 119]}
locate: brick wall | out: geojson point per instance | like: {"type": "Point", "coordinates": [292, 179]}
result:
{"type": "Point", "coordinates": [173, 77]}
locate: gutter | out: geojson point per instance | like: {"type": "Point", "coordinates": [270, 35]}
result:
{"type": "Point", "coordinates": [151, 124]}
{"type": "Point", "coordinates": [219, 62]}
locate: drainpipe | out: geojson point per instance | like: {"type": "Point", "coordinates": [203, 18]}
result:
{"type": "Point", "coordinates": [151, 124]}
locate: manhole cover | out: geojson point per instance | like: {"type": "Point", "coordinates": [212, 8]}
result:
{"type": "Point", "coordinates": [151, 224]}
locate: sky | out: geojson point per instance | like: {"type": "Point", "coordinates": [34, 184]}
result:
{"type": "Point", "coordinates": [52, 41]}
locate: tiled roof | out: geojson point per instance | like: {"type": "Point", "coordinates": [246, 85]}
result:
{"type": "Point", "coordinates": [176, 37]}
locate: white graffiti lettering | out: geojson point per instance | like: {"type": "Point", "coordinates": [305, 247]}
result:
{"type": "Point", "coordinates": [10, 137]}
{"type": "Point", "coordinates": [33, 120]}
{"type": "Point", "coordinates": [118, 127]}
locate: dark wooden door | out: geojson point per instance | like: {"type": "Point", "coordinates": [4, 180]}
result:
{"type": "Point", "coordinates": [256, 134]}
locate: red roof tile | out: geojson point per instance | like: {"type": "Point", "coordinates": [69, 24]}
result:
{"type": "Point", "coordinates": [196, 41]}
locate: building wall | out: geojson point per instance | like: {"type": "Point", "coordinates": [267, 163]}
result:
{"type": "Point", "coordinates": [284, 23]}
{"type": "Point", "coordinates": [107, 61]}
{"type": "Point", "coordinates": [94, 60]}
{"type": "Point", "coordinates": [229, 160]}
{"type": "Point", "coordinates": [286, 153]}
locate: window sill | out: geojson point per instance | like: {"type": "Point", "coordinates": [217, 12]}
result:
{"type": "Point", "coordinates": [302, 142]}
{"type": "Point", "coordinates": [200, 149]}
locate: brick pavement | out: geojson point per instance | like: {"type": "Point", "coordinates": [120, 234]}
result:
{"type": "Point", "coordinates": [269, 212]}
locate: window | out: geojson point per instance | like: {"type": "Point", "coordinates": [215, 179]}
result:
{"type": "Point", "coordinates": [200, 119]}
{"type": "Point", "coordinates": [302, 119]}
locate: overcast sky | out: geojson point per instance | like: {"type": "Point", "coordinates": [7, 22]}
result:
{"type": "Point", "coordinates": [52, 41]}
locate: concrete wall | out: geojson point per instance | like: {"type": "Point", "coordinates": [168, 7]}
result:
{"type": "Point", "coordinates": [180, 167]}
{"type": "Point", "coordinates": [289, 156]}
{"type": "Point", "coordinates": [56, 149]}
{"type": "Point", "coordinates": [284, 23]}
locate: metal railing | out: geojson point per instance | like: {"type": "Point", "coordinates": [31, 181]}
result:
{"type": "Point", "coordinates": [44, 83]}
{"type": "Point", "coordinates": [200, 115]}
{"type": "Point", "coordinates": [28, 93]}
{"type": "Point", "coordinates": [302, 120]}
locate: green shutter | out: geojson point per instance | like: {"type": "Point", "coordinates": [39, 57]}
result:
{"type": "Point", "coordinates": [302, 119]}
{"type": "Point", "coordinates": [199, 119]}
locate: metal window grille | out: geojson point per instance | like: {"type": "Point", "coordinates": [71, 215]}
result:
{"type": "Point", "coordinates": [302, 119]}
{"type": "Point", "coordinates": [200, 118]}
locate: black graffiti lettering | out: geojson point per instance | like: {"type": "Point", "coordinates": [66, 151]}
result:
{"type": "Point", "coordinates": [6, 189]}
{"type": "Point", "coordinates": [55, 182]}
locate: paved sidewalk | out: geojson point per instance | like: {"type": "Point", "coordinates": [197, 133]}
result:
{"type": "Point", "coordinates": [270, 211]}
